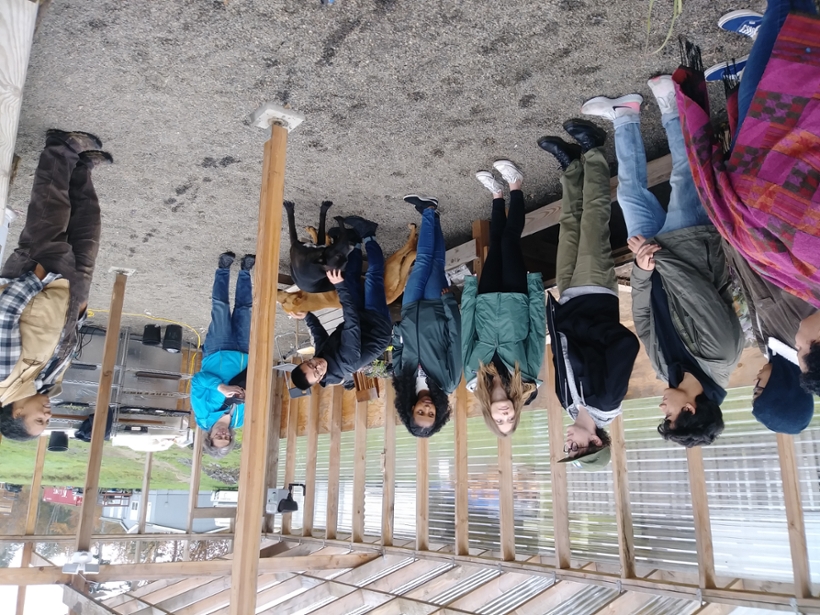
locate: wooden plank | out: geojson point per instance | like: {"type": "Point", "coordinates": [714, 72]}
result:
{"type": "Point", "coordinates": [272, 458]}
{"type": "Point", "coordinates": [290, 460]}
{"type": "Point", "coordinates": [560, 495]}
{"type": "Point", "coordinates": [700, 513]}
{"type": "Point", "coordinates": [31, 514]}
{"type": "Point", "coordinates": [310, 462]}
{"type": "Point", "coordinates": [66, 538]}
{"type": "Point", "coordinates": [481, 236]}
{"type": "Point", "coordinates": [146, 487]}
{"type": "Point", "coordinates": [79, 602]}
{"type": "Point", "coordinates": [88, 510]}
{"type": "Point", "coordinates": [193, 485]}
{"type": "Point", "coordinates": [462, 502]}
{"type": "Point", "coordinates": [389, 465]}
{"type": "Point", "coordinates": [260, 364]}
{"type": "Point", "coordinates": [794, 515]}
{"type": "Point", "coordinates": [505, 498]}
{"type": "Point", "coordinates": [422, 494]}
{"type": "Point", "coordinates": [223, 598]}
{"type": "Point", "coordinates": [623, 509]}
{"type": "Point", "coordinates": [334, 465]}
{"type": "Point", "coordinates": [359, 471]}
{"type": "Point", "coordinates": [215, 512]}
{"type": "Point", "coordinates": [460, 255]}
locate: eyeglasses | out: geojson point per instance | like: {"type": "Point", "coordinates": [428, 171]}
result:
{"type": "Point", "coordinates": [314, 367]}
{"type": "Point", "coordinates": [572, 447]}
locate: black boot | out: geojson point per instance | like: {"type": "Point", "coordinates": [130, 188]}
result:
{"type": "Point", "coordinates": [226, 260]}
{"type": "Point", "coordinates": [587, 134]}
{"type": "Point", "coordinates": [364, 228]}
{"type": "Point", "coordinates": [565, 153]}
{"type": "Point", "coordinates": [247, 262]}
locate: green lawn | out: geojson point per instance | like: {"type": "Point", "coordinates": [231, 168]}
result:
{"type": "Point", "coordinates": [121, 467]}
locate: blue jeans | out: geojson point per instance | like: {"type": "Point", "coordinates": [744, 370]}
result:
{"type": "Point", "coordinates": [773, 19]}
{"type": "Point", "coordinates": [427, 279]}
{"type": "Point", "coordinates": [229, 331]}
{"type": "Point", "coordinates": [373, 297]}
{"type": "Point", "coordinates": [642, 211]}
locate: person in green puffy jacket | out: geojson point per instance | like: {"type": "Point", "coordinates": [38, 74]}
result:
{"type": "Point", "coordinates": [427, 341]}
{"type": "Point", "coordinates": [503, 315]}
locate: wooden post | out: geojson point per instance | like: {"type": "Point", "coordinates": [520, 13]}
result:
{"type": "Point", "coordinates": [560, 496]}
{"type": "Point", "coordinates": [88, 516]}
{"type": "Point", "coordinates": [481, 234]}
{"type": "Point", "coordinates": [700, 513]}
{"type": "Point", "coordinates": [422, 495]}
{"type": "Point", "coordinates": [290, 460]}
{"type": "Point", "coordinates": [359, 471]}
{"type": "Point", "coordinates": [193, 486]}
{"type": "Point", "coordinates": [310, 463]}
{"type": "Point", "coordinates": [31, 514]}
{"type": "Point", "coordinates": [260, 363]}
{"type": "Point", "coordinates": [462, 546]}
{"type": "Point", "coordinates": [278, 406]}
{"type": "Point", "coordinates": [334, 466]}
{"type": "Point", "coordinates": [505, 499]}
{"type": "Point", "coordinates": [623, 509]}
{"type": "Point", "coordinates": [794, 515]}
{"type": "Point", "coordinates": [389, 469]}
{"type": "Point", "coordinates": [143, 512]}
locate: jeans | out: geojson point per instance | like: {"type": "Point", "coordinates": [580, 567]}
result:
{"type": "Point", "coordinates": [642, 211]}
{"type": "Point", "coordinates": [504, 270]}
{"type": "Point", "coordinates": [229, 331]}
{"type": "Point", "coordinates": [427, 279]}
{"type": "Point", "coordinates": [773, 19]}
{"type": "Point", "coordinates": [373, 298]}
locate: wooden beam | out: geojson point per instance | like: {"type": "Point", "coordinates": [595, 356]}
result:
{"type": "Point", "coordinates": [462, 502]}
{"type": "Point", "coordinates": [88, 510]}
{"type": "Point", "coordinates": [334, 465]}
{"type": "Point", "coordinates": [505, 498]}
{"type": "Point", "coordinates": [422, 494]}
{"type": "Point", "coordinates": [278, 406]}
{"type": "Point", "coordinates": [389, 467]}
{"type": "Point", "coordinates": [215, 512]}
{"type": "Point", "coordinates": [359, 471]}
{"type": "Point", "coordinates": [164, 536]}
{"type": "Point", "coordinates": [146, 487]}
{"type": "Point", "coordinates": [700, 513]}
{"type": "Point", "coordinates": [260, 364]}
{"type": "Point", "coordinates": [290, 460]}
{"type": "Point", "coordinates": [623, 509]}
{"type": "Point", "coordinates": [31, 514]}
{"type": "Point", "coordinates": [481, 236]}
{"type": "Point", "coordinates": [79, 602]}
{"type": "Point", "coordinates": [560, 495]}
{"type": "Point", "coordinates": [193, 485]}
{"type": "Point", "coordinates": [310, 462]}
{"type": "Point", "coordinates": [223, 598]}
{"type": "Point", "coordinates": [794, 515]}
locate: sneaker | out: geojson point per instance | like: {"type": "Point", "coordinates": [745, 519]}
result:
{"type": "Point", "coordinates": [509, 171]}
{"type": "Point", "coordinates": [613, 108]}
{"type": "Point", "coordinates": [663, 88]}
{"type": "Point", "coordinates": [716, 72]}
{"type": "Point", "coordinates": [247, 262]}
{"type": "Point", "coordinates": [421, 202]}
{"type": "Point", "coordinates": [489, 182]}
{"type": "Point", "coordinates": [364, 228]}
{"type": "Point", "coordinates": [744, 22]}
{"type": "Point", "coordinates": [226, 260]}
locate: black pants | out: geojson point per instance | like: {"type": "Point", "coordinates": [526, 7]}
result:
{"type": "Point", "coordinates": [504, 270]}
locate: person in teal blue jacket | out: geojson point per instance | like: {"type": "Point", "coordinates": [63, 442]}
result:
{"type": "Point", "coordinates": [218, 390]}
{"type": "Point", "coordinates": [503, 315]}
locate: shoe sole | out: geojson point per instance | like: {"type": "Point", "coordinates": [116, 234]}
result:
{"type": "Point", "coordinates": [731, 16]}
{"type": "Point", "coordinates": [614, 102]}
{"type": "Point", "coordinates": [504, 162]}
{"type": "Point", "coordinates": [427, 199]}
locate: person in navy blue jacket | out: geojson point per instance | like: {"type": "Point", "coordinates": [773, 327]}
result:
{"type": "Point", "coordinates": [218, 390]}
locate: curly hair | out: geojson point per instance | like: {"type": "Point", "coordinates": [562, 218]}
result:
{"type": "Point", "coordinates": [404, 384]}
{"type": "Point", "coordinates": [518, 392]}
{"type": "Point", "coordinates": [695, 428]}
{"type": "Point", "coordinates": [209, 448]}
{"type": "Point", "coordinates": [13, 428]}
{"type": "Point", "coordinates": [810, 379]}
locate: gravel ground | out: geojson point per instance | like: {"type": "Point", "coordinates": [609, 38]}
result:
{"type": "Point", "coordinates": [399, 96]}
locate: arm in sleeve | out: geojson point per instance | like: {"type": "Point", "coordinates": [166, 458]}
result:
{"type": "Point", "coordinates": [351, 341]}
{"type": "Point", "coordinates": [317, 331]}
{"type": "Point", "coordinates": [453, 351]}
{"type": "Point", "coordinates": [13, 300]}
{"type": "Point", "coordinates": [537, 336]}
{"type": "Point", "coordinates": [398, 346]}
{"type": "Point", "coordinates": [468, 333]}
{"type": "Point", "coordinates": [205, 398]}
{"type": "Point", "coordinates": [641, 302]}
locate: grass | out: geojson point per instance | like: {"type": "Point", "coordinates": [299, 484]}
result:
{"type": "Point", "coordinates": [121, 468]}
{"type": "Point", "coordinates": [677, 9]}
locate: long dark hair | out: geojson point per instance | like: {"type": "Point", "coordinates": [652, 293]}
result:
{"type": "Point", "coordinates": [404, 383]}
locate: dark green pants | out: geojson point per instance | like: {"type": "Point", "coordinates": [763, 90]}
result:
{"type": "Point", "coordinates": [584, 251]}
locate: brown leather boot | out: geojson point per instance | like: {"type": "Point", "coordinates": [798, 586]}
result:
{"type": "Point", "coordinates": [76, 140]}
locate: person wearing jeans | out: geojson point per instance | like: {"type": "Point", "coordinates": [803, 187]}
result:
{"type": "Point", "coordinates": [218, 390]}
{"type": "Point", "coordinates": [365, 333]}
{"type": "Point", "coordinates": [681, 298]}
{"type": "Point", "coordinates": [503, 318]}
{"type": "Point", "coordinates": [427, 342]}
{"type": "Point", "coordinates": [593, 352]}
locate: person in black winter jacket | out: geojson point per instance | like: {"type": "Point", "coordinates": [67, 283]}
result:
{"type": "Point", "coordinates": [365, 333]}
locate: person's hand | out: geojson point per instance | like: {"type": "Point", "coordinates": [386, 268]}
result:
{"type": "Point", "coordinates": [444, 291]}
{"type": "Point", "coordinates": [335, 276]}
{"type": "Point", "coordinates": [635, 243]}
{"type": "Point", "coordinates": [297, 315]}
{"type": "Point", "coordinates": [644, 252]}
{"type": "Point", "coordinates": [231, 390]}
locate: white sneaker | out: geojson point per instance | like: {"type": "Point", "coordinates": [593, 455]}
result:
{"type": "Point", "coordinates": [613, 108]}
{"type": "Point", "coordinates": [664, 90]}
{"type": "Point", "coordinates": [489, 182]}
{"type": "Point", "coordinates": [509, 171]}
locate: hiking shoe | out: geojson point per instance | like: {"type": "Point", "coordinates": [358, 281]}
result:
{"type": "Point", "coordinates": [586, 134]}
{"type": "Point", "coordinates": [363, 228]}
{"type": "Point", "coordinates": [247, 262]}
{"type": "Point", "coordinates": [76, 140]}
{"type": "Point", "coordinates": [226, 260]}
{"type": "Point", "coordinates": [565, 153]}
{"type": "Point", "coordinates": [613, 108]}
{"type": "Point", "coordinates": [421, 202]}
{"type": "Point", "coordinates": [95, 158]}
{"type": "Point", "coordinates": [508, 171]}
{"type": "Point", "coordinates": [734, 66]}
{"type": "Point", "coordinates": [743, 22]}
{"type": "Point", "coordinates": [489, 182]}
{"type": "Point", "coordinates": [663, 89]}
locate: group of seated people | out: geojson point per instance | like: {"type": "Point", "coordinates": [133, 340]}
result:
{"type": "Point", "coordinates": [743, 212]}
